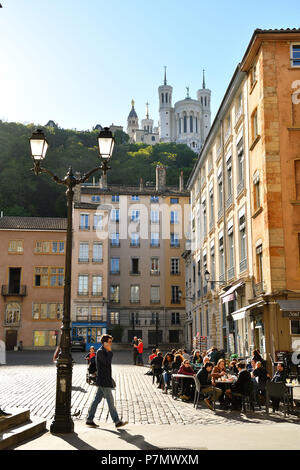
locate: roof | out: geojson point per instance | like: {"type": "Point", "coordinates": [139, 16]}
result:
{"type": "Point", "coordinates": [115, 189]}
{"type": "Point", "coordinates": [33, 223]}
{"type": "Point", "coordinates": [132, 113]}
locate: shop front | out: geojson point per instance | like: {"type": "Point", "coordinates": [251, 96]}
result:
{"type": "Point", "coordinates": [90, 332]}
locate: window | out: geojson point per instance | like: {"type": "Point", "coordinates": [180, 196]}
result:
{"type": "Point", "coordinates": [212, 264]}
{"type": "Point", "coordinates": [229, 176]}
{"type": "Point", "coordinates": [115, 198]}
{"type": "Point", "coordinates": [184, 124]}
{"type": "Point", "coordinates": [221, 255]}
{"type": "Point", "coordinates": [243, 247]}
{"type": "Point", "coordinates": [211, 205]}
{"type": "Point", "coordinates": [135, 216]}
{"type": "Point", "coordinates": [259, 264]}
{"type": "Point", "coordinates": [154, 240]}
{"type": "Point", "coordinates": [191, 124]}
{"type": "Point", "coordinates": [175, 266]}
{"type": "Point", "coordinates": [174, 200]}
{"type": "Point", "coordinates": [135, 294]}
{"type": "Point", "coordinates": [15, 246]}
{"type": "Point", "coordinates": [240, 153]}
{"type": "Point", "coordinates": [48, 277]}
{"type": "Point", "coordinates": [297, 179]}
{"type": "Point", "coordinates": [295, 327]}
{"type": "Point", "coordinates": [95, 198]}
{"type": "Point", "coordinates": [114, 318]}
{"type": "Point", "coordinates": [154, 266]}
{"type": "Point", "coordinates": [97, 252]}
{"type": "Point", "coordinates": [44, 338]}
{"type": "Point", "coordinates": [174, 217]}
{"type": "Point", "coordinates": [12, 314]}
{"type": "Point", "coordinates": [135, 239]}
{"type": "Point", "coordinates": [175, 298]}
{"type": "Point", "coordinates": [295, 58]}
{"type": "Point", "coordinates": [135, 266]}
{"type": "Point", "coordinates": [253, 75]}
{"type": "Point", "coordinates": [155, 294]}
{"type": "Point", "coordinates": [174, 242]}
{"type": "Point", "coordinates": [98, 222]}
{"type": "Point", "coordinates": [204, 218]}
{"type": "Point", "coordinates": [115, 293]}
{"type": "Point", "coordinates": [220, 188]}
{"type": "Point", "coordinates": [115, 239]}
{"type": "Point", "coordinates": [154, 216]}
{"type": "Point", "coordinates": [56, 247]}
{"type": "Point", "coordinates": [83, 252]}
{"type": "Point", "coordinates": [47, 311]}
{"type": "Point", "coordinates": [230, 244]}
{"type": "Point", "coordinates": [254, 125]}
{"type": "Point", "coordinates": [97, 285]}
{"type": "Point", "coordinates": [83, 284]}
{"type": "Point", "coordinates": [115, 215]}
{"type": "Point", "coordinates": [135, 198]}
{"type": "Point", "coordinates": [84, 222]}
{"type": "Point", "coordinates": [154, 199]}
{"type": "Point", "coordinates": [115, 265]}
{"type": "Point", "coordinates": [175, 319]}
{"type": "Point", "coordinates": [256, 192]}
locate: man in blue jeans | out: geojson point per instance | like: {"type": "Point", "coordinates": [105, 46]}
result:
{"type": "Point", "coordinates": [104, 383]}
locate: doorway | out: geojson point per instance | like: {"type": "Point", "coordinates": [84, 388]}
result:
{"type": "Point", "coordinates": [14, 282]}
{"type": "Point", "coordinates": [11, 339]}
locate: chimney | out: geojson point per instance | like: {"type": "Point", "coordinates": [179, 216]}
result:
{"type": "Point", "coordinates": [160, 178]}
{"type": "Point", "coordinates": [103, 181]}
{"type": "Point", "coordinates": [181, 181]}
{"type": "Point", "coordinates": [141, 184]}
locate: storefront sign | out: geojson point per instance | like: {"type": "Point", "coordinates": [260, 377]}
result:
{"type": "Point", "coordinates": [294, 315]}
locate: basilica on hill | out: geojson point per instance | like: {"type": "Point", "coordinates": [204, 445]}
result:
{"type": "Point", "coordinates": [187, 122]}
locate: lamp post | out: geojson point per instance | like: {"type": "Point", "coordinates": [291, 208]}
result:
{"type": "Point", "coordinates": [39, 145]}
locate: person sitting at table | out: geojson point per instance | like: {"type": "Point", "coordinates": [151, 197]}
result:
{"type": "Point", "coordinates": [233, 368]}
{"type": "Point", "coordinates": [154, 354]}
{"type": "Point", "coordinates": [204, 377]}
{"type": "Point", "coordinates": [260, 378]}
{"type": "Point", "coordinates": [167, 370]}
{"type": "Point", "coordinates": [186, 369]}
{"type": "Point", "coordinates": [251, 365]}
{"type": "Point", "coordinates": [157, 366]}
{"type": "Point", "coordinates": [213, 355]}
{"type": "Point", "coordinates": [218, 372]}
{"type": "Point", "coordinates": [197, 358]}
{"type": "Point", "coordinates": [176, 364]}
{"type": "Point", "coordinates": [279, 376]}
{"type": "Point", "coordinates": [240, 387]}
{"type": "Point", "coordinates": [185, 354]}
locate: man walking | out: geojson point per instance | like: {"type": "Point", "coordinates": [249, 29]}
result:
{"type": "Point", "coordinates": [134, 344]}
{"type": "Point", "coordinates": [104, 383]}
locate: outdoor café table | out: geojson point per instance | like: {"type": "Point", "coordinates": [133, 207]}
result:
{"type": "Point", "coordinates": [227, 382]}
{"type": "Point", "coordinates": [179, 376]}
{"type": "Point", "coordinates": [290, 388]}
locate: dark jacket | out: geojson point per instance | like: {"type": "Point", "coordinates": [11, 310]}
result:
{"type": "Point", "coordinates": [204, 377]}
{"type": "Point", "coordinates": [279, 376]}
{"type": "Point", "coordinates": [103, 361]}
{"type": "Point", "coordinates": [261, 373]}
{"type": "Point", "coordinates": [242, 383]}
{"type": "Point", "coordinates": [135, 350]}
{"type": "Point", "coordinates": [157, 362]}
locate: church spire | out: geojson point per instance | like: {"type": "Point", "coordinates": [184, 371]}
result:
{"type": "Point", "coordinates": [165, 77]}
{"type": "Point", "coordinates": [203, 84]}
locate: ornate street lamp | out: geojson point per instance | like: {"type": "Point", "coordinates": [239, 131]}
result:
{"type": "Point", "coordinates": [38, 143]}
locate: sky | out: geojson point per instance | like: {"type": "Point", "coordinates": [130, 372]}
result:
{"type": "Point", "coordinates": [81, 62]}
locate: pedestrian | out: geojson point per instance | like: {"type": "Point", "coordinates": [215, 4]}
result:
{"type": "Point", "coordinates": [104, 383]}
{"type": "Point", "coordinates": [140, 349]}
{"type": "Point", "coordinates": [134, 345]}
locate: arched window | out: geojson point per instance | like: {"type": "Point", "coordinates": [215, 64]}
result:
{"type": "Point", "coordinates": [184, 124]}
{"type": "Point", "coordinates": [162, 98]}
{"type": "Point", "coordinates": [196, 125]}
{"type": "Point", "coordinates": [179, 120]}
{"type": "Point", "coordinates": [191, 124]}
{"type": "Point", "coordinates": [13, 312]}
{"type": "Point", "coordinates": [201, 99]}
{"type": "Point", "coordinates": [166, 97]}
{"type": "Point", "coordinates": [205, 101]}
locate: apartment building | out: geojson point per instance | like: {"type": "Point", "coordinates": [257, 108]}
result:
{"type": "Point", "coordinates": [245, 214]}
{"type": "Point", "coordinates": [142, 270]}
{"type": "Point", "coordinates": [32, 269]}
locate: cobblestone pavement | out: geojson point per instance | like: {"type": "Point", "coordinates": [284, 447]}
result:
{"type": "Point", "coordinates": [29, 381]}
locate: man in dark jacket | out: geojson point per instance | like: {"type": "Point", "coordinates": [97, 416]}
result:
{"type": "Point", "coordinates": [134, 345]}
{"type": "Point", "coordinates": [104, 383]}
{"type": "Point", "coordinates": [279, 376]}
{"type": "Point", "coordinates": [204, 377]}
{"type": "Point", "coordinates": [156, 362]}
{"type": "Point", "coordinates": [240, 387]}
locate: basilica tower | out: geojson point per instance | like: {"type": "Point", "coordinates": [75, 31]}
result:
{"type": "Point", "coordinates": [204, 96]}
{"type": "Point", "coordinates": [132, 122]}
{"type": "Point", "coordinates": [165, 111]}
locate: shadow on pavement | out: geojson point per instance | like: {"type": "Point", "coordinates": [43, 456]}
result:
{"type": "Point", "coordinates": [136, 440]}
{"type": "Point", "coordinates": [75, 441]}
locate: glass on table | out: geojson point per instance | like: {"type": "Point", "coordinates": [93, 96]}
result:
{"type": "Point", "coordinates": [288, 380]}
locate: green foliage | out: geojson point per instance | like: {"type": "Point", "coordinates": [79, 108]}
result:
{"type": "Point", "coordinates": [23, 193]}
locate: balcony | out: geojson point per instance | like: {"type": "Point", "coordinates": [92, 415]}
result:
{"type": "Point", "coordinates": [19, 291]}
{"type": "Point", "coordinates": [238, 114]}
{"type": "Point", "coordinates": [231, 273]}
{"type": "Point", "coordinates": [175, 301]}
{"type": "Point", "coordinates": [97, 294]}
{"type": "Point", "coordinates": [259, 289]}
{"type": "Point", "coordinates": [240, 187]}
{"type": "Point", "coordinates": [227, 134]}
{"type": "Point", "coordinates": [91, 318]}
{"type": "Point", "coordinates": [134, 301]}
{"type": "Point", "coordinates": [220, 213]}
{"type": "Point", "coordinates": [84, 227]}
{"type": "Point", "coordinates": [135, 273]}
{"type": "Point", "coordinates": [152, 301]}
{"type": "Point", "coordinates": [97, 260]}
{"type": "Point", "coordinates": [82, 293]}
{"type": "Point", "coordinates": [154, 272]}
{"type": "Point", "coordinates": [222, 278]}
{"type": "Point", "coordinates": [83, 260]}
{"type": "Point", "coordinates": [229, 201]}
{"type": "Point", "coordinates": [243, 265]}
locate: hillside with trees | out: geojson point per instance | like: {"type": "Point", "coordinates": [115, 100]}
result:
{"type": "Point", "coordinates": [24, 194]}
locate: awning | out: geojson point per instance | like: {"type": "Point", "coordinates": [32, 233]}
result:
{"type": "Point", "coordinates": [229, 295]}
{"type": "Point", "coordinates": [241, 313]}
{"type": "Point", "coordinates": [290, 308]}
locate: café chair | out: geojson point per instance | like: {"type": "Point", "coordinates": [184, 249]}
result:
{"type": "Point", "coordinates": [279, 391]}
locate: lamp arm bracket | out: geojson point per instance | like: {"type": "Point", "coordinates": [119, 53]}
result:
{"type": "Point", "coordinates": [86, 176]}
{"type": "Point", "coordinates": [38, 169]}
